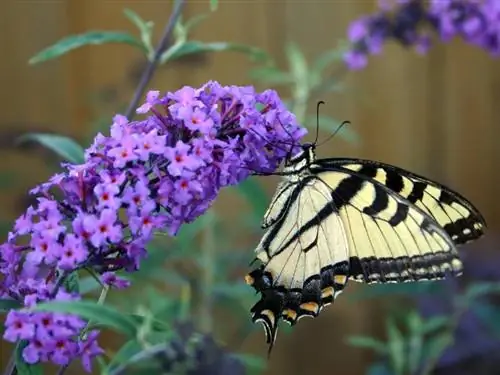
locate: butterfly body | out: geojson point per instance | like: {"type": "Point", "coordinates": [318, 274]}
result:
{"type": "Point", "coordinates": [339, 219]}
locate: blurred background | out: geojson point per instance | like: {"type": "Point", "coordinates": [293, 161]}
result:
{"type": "Point", "coordinates": [437, 115]}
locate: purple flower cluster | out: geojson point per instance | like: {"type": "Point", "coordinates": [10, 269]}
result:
{"type": "Point", "coordinates": [412, 22]}
{"type": "Point", "coordinates": [148, 175]}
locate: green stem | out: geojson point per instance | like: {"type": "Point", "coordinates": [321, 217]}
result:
{"type": "Point", "coordinates": [208, 260]}
{"type": "Point", "coordinates": [11, 365]}
{"type": "Point", "coordinates": [147, 74]}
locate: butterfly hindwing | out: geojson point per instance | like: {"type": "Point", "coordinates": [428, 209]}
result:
{"type": "Point", "coordinates": [278, 207]}
{"type": "Point", "coordinates": [304, 259]}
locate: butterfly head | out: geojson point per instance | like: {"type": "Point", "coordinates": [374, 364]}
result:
{"type": "Point", "coordinates": [302, 159]}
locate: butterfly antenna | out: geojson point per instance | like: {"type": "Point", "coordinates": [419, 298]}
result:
{"type": "Point", "coordinates": [336, 131]}
{"type": "Point", "coordinates": [317, 120]}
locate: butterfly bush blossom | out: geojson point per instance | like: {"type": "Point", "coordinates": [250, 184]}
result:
{"type": "Point", "coordinates": [154, 174]}
{"type": "Point", "coordinates": [412, 22]}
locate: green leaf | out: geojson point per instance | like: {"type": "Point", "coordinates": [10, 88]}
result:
{"type": "Point", "coordinates": [22, 367]}
{"type": "Point", "coordinates": [9, 304]}
{"type": "Point", "coordinates": [297, 62]}
{"type": "Point", "coordinates": [481, 289]}
{"type": "Point", "coordinates": [61, 145]}
{"type": "Point", "coordinates": [325, 59]}
{"type": "Point", "coordinates": [396, 346]}
{"type": "Point", "coordinates": [255, 195]}
{"type": "Point", "coordinates": [330, 125]}
{"type": "Point", "coordinates": [99, 314]}
{"type": "Point", "coordinates": [367, 342]}
{"type": "Point", "coordinates": [271, 75]}
{"type": "Point", "coordinates": [415, 341]}
{"type": "Point", "coordinates": [434, 346]}
{"type": "Point", "coordinates": [434, 324]}
{"type": "Point", "coordinates": [71, 282]}
{"type": "Point", "coordinates": [145, 29]}
{"type": "Point", "coordinates": [489, 316]}
{"type": "Point", "coordinates": [122, 356]}
{"type": "Point", "coordinates": [156, 324]}
{"type": "Point", "coordinates": [76, 41]}
{"type": "Point", "coordinates": [192, 47]}
{"type": "Point", "coordinates": [214, 4]}
{"type": "Point", "coordinates": [194, 21]}
{"type": "Point", "coordinates": [330, 86]}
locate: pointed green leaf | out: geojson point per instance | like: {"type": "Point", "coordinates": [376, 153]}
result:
{"type": "Point", "coordinates": [396, 345]}
{"type": "Point", "coordinates": [434, 324]}
{"type": "Point", "coordinates": [156, 324]}
{"type": "Point", "coordinates": [127, 351]}
{"type": "Point", "coordinates": [99, 314]}
{"type": "Point", "coordinates": [102, 365]}
{"type": "Point", "coordinates": [9, 304]}
{"type": "Point", "coordinates": [271, 75]}
{"type": "Point", "coordinates": [194, 21]}
{"type": "Point", "coordinates": [145, 29]}
{"type": "Point", "coordinates": [489, 316]}
{"type": "Point", "coordinates": [22, 367]}
{"type": "Point", "coordinates": [76, 41]}
{"type": "Point", "coordinates": [65, 147]}
{"type": "Point", "coordinates": [328, 57]}
{"type": "Point", "coordinates": [481, 289]}
{"type": "Point", "coordinates": [297, 62]}
{"type": "Point", "coordinates": [367, 342]}
{"type": "Point", "coordinates": [415, 341]}
{"type": "Point", "coordinates": [192, 47]}
{"type": "Point", "coordinates": [435, 346]}
{"type": "Point", "coordinates": [327, 86]}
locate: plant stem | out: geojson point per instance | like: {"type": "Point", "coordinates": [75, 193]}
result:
{"type": "Point", "coordinates": [11, 365]}
{"type": "Point", "coordinates": [152, 64]}
{"type": "Point", "coordinates": [208, 258]}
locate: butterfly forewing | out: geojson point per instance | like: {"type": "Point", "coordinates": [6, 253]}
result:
{"type": "Point", "coordinates": [390, 240]}
{"type": "Point", "coordinates": [458, 217]}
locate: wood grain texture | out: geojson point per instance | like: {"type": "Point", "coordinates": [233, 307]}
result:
{"type": "Point", "coordinates": [437, 115]}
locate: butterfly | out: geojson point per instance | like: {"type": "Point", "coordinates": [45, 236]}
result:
{"type": "Point", "coordinates": [339, 219]}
